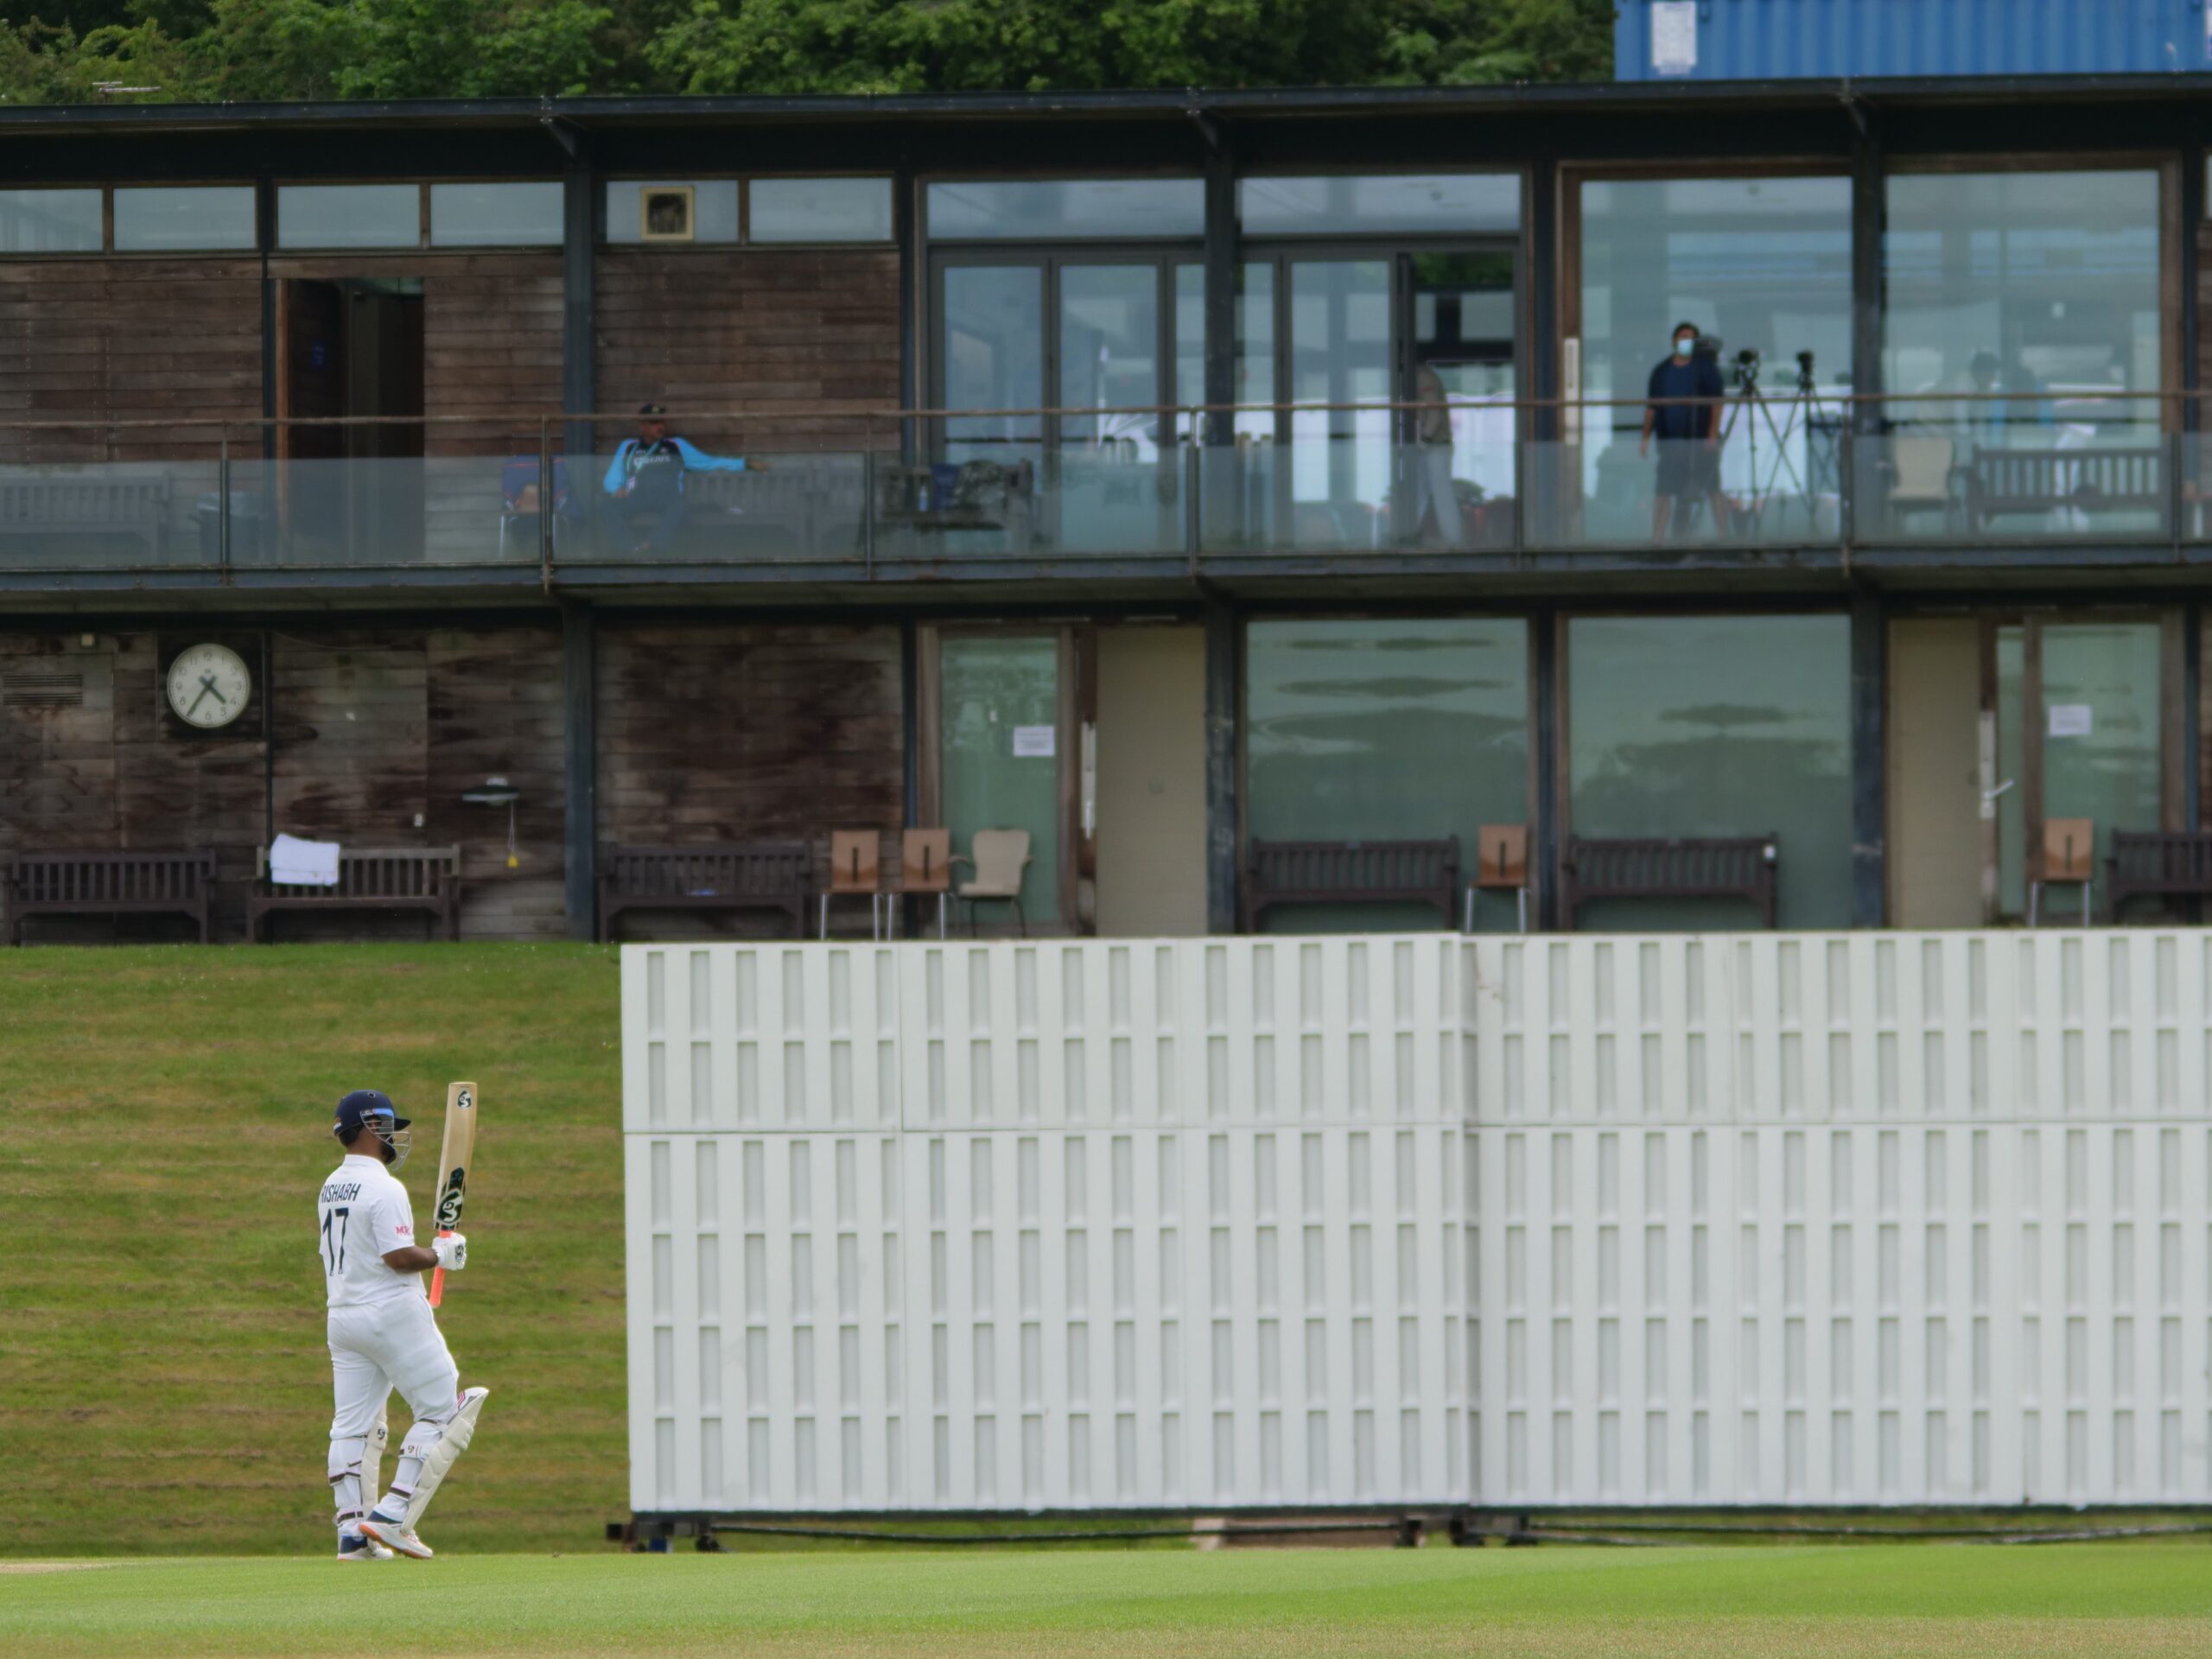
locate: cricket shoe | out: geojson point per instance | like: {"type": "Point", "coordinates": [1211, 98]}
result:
{"type": "Point", "coordinates": [397, 1535]}
{"type": "Point", "coordinates": [353, 1546]}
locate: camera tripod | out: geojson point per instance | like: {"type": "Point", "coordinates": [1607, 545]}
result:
{"type": "Point", "coordinates": [1799, 412]}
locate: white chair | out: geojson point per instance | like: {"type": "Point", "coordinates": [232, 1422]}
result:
{"type": "Point", "coordinates": [998, 858]}
{"type": "Point", "coordinates": [1921, 480]}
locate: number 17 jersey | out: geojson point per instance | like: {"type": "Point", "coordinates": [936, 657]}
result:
{"type": "Point", "coordinates": [362, 1212]}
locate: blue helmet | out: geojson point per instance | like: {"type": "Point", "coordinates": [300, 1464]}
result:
{"type": "Point", "coordinates": [372, 1110]}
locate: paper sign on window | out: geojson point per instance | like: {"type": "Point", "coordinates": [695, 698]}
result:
{"type": "Point", "coordinates": [2070, 720]}
{"type": "Point", "coordinates": [1033, 743]}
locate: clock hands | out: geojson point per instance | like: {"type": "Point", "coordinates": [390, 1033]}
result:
{"type": "Point", "coordinates": [207, 685]}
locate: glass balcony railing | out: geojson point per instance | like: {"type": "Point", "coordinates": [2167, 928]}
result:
{"type": "Point", "coordinates": [909, 495]}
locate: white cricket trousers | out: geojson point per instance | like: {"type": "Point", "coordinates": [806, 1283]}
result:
{"type": "Point", "coordinates": [380, 1346]}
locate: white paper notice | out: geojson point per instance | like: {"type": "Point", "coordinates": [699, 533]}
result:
{"type": "Point", "coordinates": [1033, 743]}
{"type": "Point", "coordinates": [2070, 720]}
{"type": "Point", "coordinates": [1674, 37]}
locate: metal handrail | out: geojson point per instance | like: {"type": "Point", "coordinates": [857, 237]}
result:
{"type": "Point", "coordinates": [529, 420]}
{"type": "Point", "coordinates": [1540, 519]}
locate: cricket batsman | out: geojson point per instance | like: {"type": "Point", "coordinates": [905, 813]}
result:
{"type": "Point", "coordinates": [384, 1336]}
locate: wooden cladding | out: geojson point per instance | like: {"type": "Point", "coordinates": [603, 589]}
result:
{"type": "Point", "coordinates": [731, 734]}
{"type": "Point", "coordinates": [801, 332]}
{"type": "Point", "coordinates": [97, 342]}
{"type": "Point", "coordinates": [377, 735]}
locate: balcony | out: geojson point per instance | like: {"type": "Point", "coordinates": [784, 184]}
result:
{"type": "Point", "coordinates": [1792, 489]}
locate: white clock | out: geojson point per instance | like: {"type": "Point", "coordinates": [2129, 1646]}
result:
{"type": "Point", "coordinates": [208, 686]}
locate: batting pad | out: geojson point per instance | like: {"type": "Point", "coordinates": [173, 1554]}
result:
{"type": "Point", "coordinates": [458, 1430]}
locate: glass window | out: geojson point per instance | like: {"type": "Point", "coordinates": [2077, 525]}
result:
{"type": "Point", "coordinates": [1716, 726]}
{"type": "Point", "coordinates": [2040, 284]}
{"type": "Point", "coordinates": [183, 217]}
{"type": "Point", "coordinates": [993, 350]}
{"type": "Point", "coordinates": [714, 208]}
{"type": "Point", "coordinates": [349, 215]}
{"type": "Point", "coordinates": [1380, 729]}
{"type": "Point", "coordinates": [2100, 682]}
{"type": "Point", "coordinates": [819, 209]}
{"type": "Point", "coordinates": [1436, 203]}
{"type": "Point", "coordinates": [1055, 209]}
{"type": "Point", "coordinates": [996, 694]}
{"type": "Point", "coordinates": [503, 215]}
{"type": "Point", "coordinates": [49, 221]}
{"type": "Point", "coordinates": [1762, 265]}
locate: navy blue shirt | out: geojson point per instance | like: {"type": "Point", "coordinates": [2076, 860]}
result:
{"type": "Point", "coordinates": [1698, 377]}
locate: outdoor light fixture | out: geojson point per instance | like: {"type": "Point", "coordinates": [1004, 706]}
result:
{"type": "Point", "coordinates": [497, 791]}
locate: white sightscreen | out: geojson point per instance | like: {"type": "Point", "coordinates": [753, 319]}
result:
{"type": "Point", "coordinates": [1801, 1219]}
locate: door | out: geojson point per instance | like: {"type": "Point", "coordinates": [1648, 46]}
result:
{"type": "Point", "coordinates": [1357, 333]}
{"type": "Point", "coordinates": [1934, 766]}
{"type": "Point", "coordinates": [1460, 327]}
{"type": "Point", "coordinates": [1151, 782]}
{"type": "Point", "coordinates": [1116, 485]}
{"type": "Point", "coordinates": [1339, 380]}
{"type": "Point", "coordinates": [1093, 340]}
{"type": "Point", "coordinates": [352, 348]}
{"type": "Point", "coordinates": [2081, 720]}
{"type": "Point", "coordinates": [1001, 714]}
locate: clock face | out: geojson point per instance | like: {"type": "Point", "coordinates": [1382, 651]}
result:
{"type": "Point", "coordinates": [208, 686]}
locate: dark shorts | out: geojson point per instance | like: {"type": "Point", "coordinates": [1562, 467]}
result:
{"type": "Point", "coordinates": [1687, 466]}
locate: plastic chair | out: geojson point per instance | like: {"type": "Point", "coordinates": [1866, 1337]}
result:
{"type": "Point", "coordinates": [2070, 860]}
{"type": "Point", "coordinates": [855, 868]}
{"type": "Point", "coordinates": [1501, 866]}
{"type": "Point", "coordinates": [998, 858]}
{"type": "Point", "coordinates": [1921, 475]}
{"type": "Point", "coordinates": [925, 866]}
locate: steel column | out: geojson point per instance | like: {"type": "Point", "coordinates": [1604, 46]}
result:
{"type": "Point", "coordinates": [1223, 681]}
{"type": "Point", "coordinates": [1869, 760]}
{"type": "Point", "coordinates": [579, 765]}
{"type": "Point", "coordinates": [579, 376]}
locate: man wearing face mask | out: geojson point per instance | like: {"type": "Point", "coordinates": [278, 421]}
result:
{"type": "Point", "coordinates": [1688, 432]}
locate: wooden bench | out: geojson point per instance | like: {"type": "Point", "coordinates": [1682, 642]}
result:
{"type": "Point", "coordinates": [2157, 864]}
{"type": "Point", "coordinates": [728, 876]}
{"type": "Point", "coordinates": [369, 878]}
{"type": "Point", "coordinates": [108, 884]}
{"type": "Point", "coordinates": [1733, 867]}
{"type": "Point", "coordinates": [2041, 481]}
{"type": "Point", "coordinates": [1351, 873]}
{"type": "Point", "coordinates": [60, 505]}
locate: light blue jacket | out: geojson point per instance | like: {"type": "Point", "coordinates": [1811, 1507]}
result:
{"type": "Point", "coordinates": [696, 460]}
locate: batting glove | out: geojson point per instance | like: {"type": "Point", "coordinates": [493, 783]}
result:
{"type": "Point", "coordinates": [451, 1251]}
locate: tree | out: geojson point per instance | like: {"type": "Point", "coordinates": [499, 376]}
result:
{"type": "Point", "coordinates": [263, 49]}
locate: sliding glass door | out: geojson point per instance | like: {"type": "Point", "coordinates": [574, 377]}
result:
{"type": "Point", "coordinates": [1089, 339]}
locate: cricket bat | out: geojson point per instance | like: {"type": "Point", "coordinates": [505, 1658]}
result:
{"type": "Point", "coordinates": [453, 1159]}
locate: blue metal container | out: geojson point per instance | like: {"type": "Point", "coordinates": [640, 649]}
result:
{"type": "Point", "coordinates": [1767, 40]}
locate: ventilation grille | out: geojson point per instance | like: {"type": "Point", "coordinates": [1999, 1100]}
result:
{"type": "Point", "coordinates": [41, 688]}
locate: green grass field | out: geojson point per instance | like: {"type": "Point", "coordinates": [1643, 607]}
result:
{"type": "Point", "coordinates": [163, 1382]}
{"type": "Point", "coordinates": [2102, 1601]}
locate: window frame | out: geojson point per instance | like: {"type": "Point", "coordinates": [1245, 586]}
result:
{"type": "Point", "coordinates": [744, 242]}
{"type": "Point", "coordinates": [928, 240]}
{"type": "Point", "coordinates": [421, 244]}
{"type": "Point", "coordinates": [2163, 166]}
{"type": "Point", "coordinates": [1540, 878]}
{"type": "Point", "coordinates": [1520, 174]}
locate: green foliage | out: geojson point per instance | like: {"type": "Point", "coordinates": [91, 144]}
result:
{"type": "Point", "coordinates": [202, 50]}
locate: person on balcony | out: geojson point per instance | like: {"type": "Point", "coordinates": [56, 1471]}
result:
{"type": "Point", "coordinates": [1438, 496]}
{"type": "Point", "coordinates": [645, 481]}
{"type": "Point", "coordinates": [1684, 414]}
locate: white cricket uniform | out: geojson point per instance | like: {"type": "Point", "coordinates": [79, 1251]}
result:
{"type": "Point", "coordinates": [382, 1333]}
